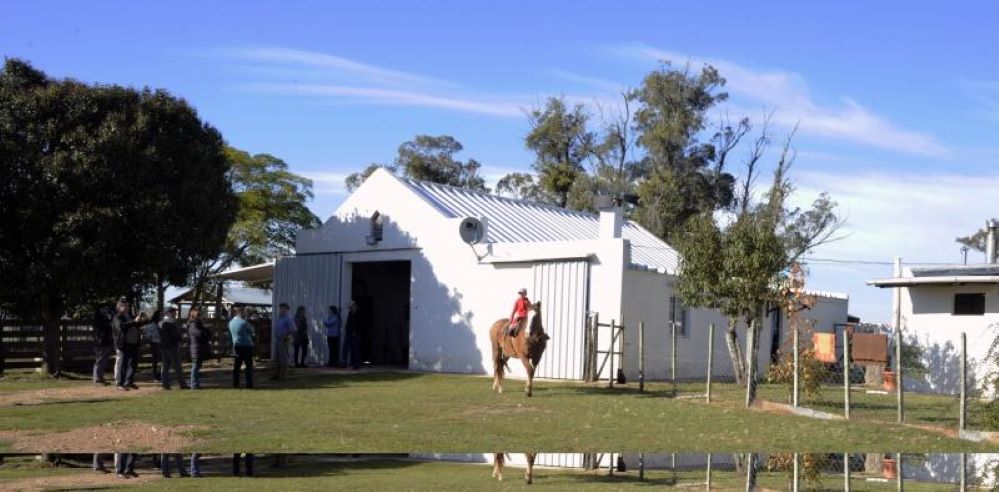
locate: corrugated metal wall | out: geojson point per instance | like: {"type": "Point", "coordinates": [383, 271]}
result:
{"type": "Point", "coordinates": [313, 282]}
{"type": "Point", "coordinates": [560, 460]}
{"type": "Point", "coordinates": [561, 286]}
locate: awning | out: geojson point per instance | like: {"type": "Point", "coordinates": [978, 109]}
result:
{"type": "Point", "coordinates": [947, 280]}
{"type": "Point", "coordinates": [254, 273]}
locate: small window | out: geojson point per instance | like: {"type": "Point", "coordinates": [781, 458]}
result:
{"type": "Point", "coordinates": [678, 316]}
{"type": "Point", "coordinates": [969, 304]}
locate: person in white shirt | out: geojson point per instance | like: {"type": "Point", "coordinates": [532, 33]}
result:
{"type": "Point", "coordinates": [332, 325]}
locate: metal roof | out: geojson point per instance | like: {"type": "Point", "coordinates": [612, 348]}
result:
{"type": "Point", "coordinates": [233, 294]}
{"type": "Point", "coordinates": [519, 221]}
{"type": "Point", "coordinates": [254, 273]}
{"type": "Point", "coordinates": [939, 280]}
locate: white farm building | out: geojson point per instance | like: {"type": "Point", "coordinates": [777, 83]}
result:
{"type": "Point", "coordinates": [394, 247]}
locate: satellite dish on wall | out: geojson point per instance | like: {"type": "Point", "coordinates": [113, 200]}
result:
{"type": "Point", "coordinates": [472, 230]}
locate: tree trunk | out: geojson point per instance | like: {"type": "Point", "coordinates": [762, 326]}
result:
{"type": "Point", "coordinates": [732, 340]}
{"type": "Point", "coordinates": [752, 349]}
{"type": "Point", "coordinates": [50, 335]}
{"type": "Point", "coordinates": [218, 300]}
{"type": "Point", "coordinates": [160, 293]}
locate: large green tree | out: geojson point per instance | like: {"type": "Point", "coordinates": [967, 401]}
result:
{"type": "Point", "coordinates": [738, 263]}
{"type": "Point", "coordinates": [562, 144]}
{"type": "Point", "coordinates": [429, 158]}
{"type": "Point", "coordinates": [104, 189]}
{"type": "Point", "coordinates": [271, 210]}
{"type": "Point", "coordinates": [684, 173]}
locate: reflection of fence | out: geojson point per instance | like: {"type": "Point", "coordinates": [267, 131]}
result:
{"type": "Point", "coordinates": [22, 343]}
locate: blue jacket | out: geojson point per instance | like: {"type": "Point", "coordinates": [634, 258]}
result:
{"type": "Point", "coordinates": [242, 332]}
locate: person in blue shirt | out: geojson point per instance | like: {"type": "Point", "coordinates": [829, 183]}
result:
{"type": "Point", "coordinates": [332, 324]}
{"type": "Point", "coordinates": [242, 346]}
{"type": "Point", "coordinates": [284, 327]}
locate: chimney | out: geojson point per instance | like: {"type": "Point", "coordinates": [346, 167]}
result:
{"type": "Point", "coordinates": [992, 226]}
{"type": "Point", "coordinates": [611, 220]}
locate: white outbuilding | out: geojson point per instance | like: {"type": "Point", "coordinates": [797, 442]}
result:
{"type": "Point", "coordinates": [435, 266]}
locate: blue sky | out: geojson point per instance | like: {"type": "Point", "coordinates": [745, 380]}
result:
{"type": "Point", "coordinates": [898, 104]}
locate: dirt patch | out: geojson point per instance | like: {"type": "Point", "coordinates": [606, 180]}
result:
{"type": "Point", "coordinates": [75, 481]}
{"type": "Point", "coordinates": [114, 436]}
{"type": "Point", "coordinates": [501, 410]}
{"type": "Point", "coordinates": [71, 393]}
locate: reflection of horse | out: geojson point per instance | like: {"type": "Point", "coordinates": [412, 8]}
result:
{"type": "Point", "coordinates": [527, 345]}
{"type": "Point", "coordinates": [500, 458]}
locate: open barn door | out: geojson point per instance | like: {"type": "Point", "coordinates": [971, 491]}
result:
{"type": "Point", "coordinates": [313, 282]}
{"type": "Point", "coordinates": [562, 288]}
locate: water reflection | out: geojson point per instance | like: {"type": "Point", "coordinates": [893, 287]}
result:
{"type": "Point", "coordinates": [423, 471]}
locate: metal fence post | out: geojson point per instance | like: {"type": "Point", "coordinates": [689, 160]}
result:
{"type": "Point", "coordinates": [641, 356]}
{"type": "Point", "coordinates": [796, 367]}
{"type": "Point", "coordinates": [964, 472]}
{"type": "Point", "coordinates": [846, 373]}
{"type": "Point", "coordinates": [898, 375]}
{"type": "Point", "coordinates": [899, 484]}
{"type": "Point", "coordinates": [610, 354]}
{"type": "Point", "coordinates": [711, 359]}
{"type": "Point", "coordinates": [846, 472]}
{"type": "Point", "coordinates": [964, 382]}
{"type": "Point", "coordinates": [707, 481]}
{"type": "Point", "coordinates": [795, 472]}
{"type": "Point", "coordinates": [641, 466]}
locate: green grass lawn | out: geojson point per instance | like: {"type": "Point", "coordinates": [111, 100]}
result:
{"type": "Point", "coordinates": [316, 473]}
{"type": "Point", "coordinates": [405, 412]}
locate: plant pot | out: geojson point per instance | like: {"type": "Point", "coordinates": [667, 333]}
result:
{"type": "Point", "coordinates": [889, 380]}
{"type": "Point", "coordinates": [888, 469]}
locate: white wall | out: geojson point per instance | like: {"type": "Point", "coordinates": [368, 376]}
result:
{"type": "Point", "coordinates": [927, 319]}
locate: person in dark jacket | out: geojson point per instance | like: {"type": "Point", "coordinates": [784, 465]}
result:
{"type": "Point", "coordinates": [170, 337]}
{"type": "Point", "coordinates": [354, 326]}
{"type": "Point", "coordinates": [200, 340]}
{"type": "Point", "coordinates": [126, 341]}
{"type": "Point", "coordinates": [301, 336]}
{"type": "Point", "coordinates": [103, 343]}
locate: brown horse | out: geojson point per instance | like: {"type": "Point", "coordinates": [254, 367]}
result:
{"type": "Point", "coordinates": [527, 345]}
{"type": "Point", "coordinates": [499, 459]}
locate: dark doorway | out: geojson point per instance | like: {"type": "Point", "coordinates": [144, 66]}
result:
{"type": "Point", "coordinates": [382, 292]}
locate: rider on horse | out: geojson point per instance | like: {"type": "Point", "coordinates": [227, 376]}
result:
{"type": "Point", "coordinates": [520, 307]}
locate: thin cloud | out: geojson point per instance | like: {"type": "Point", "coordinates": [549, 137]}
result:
{"type": "Point", "coordinates": [313, 60]}
{"type": "Point", "coordinates": [394, 97]}
{"type": "Point", "coordinates": [986, 94]}
{"type": "Point", "coordinates": [787, 93]}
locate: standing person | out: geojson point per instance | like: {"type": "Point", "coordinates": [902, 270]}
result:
{"type": "Point", "coordinates": [99, 464]}
{"type": "Point", "coordinates": [126, 339]}
{"type": "Point", "coordinates": [247, 460]}
{"type": "Point", "coordinates": [301, 336]}
{"type": "Point", "coordinates": [242, 345]}
{"type": "Point", "coordinates": [165, 459]}
{"type": "Point", "coordinates": [200, 339]}
{"type": "Point", "coordinates": [151, 332]}
{"type": "Point", "coordinates": [103, 343]}
{"type": "Point", "coordinates": [332, 324]}
{"type": "Point", "coordinates": [354, 325]}
{"type": "Point", "coordinates": [195, 465]}
{"type": "Point", "coordinates": [124, 465]}
{"type": "Point", "coordinates": [284, 326]}
{"type": "Point", "coordinates": [170, 337]}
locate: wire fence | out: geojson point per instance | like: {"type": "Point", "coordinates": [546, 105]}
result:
{"type": "Point", "coordinates": [845, 373]}
{"type": "Point", "coordinates": [788, 471]}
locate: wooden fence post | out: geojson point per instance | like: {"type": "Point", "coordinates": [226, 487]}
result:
{"type": "Point", "coordinates": [711, 359]}
{"type": "Point", "coordinates": [641, 356]}
{"type": "Point", "coordinates": [964, 382]}
{"type": "Point", "coordinates": [610, 354]}
{"type": "Point", "coordinates": [846, 373]}
{"type": "Point", "coordinates": [796, 367]}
